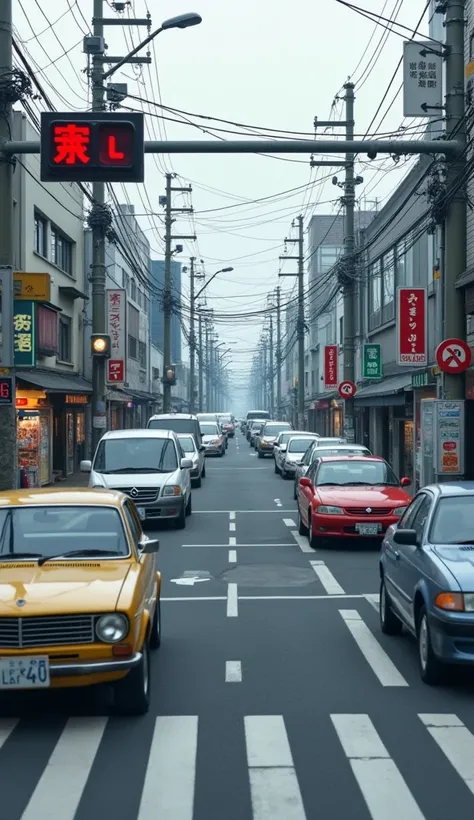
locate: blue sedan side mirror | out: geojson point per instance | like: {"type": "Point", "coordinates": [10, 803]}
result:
{"type": "Point", "coordinates": [408, 538]}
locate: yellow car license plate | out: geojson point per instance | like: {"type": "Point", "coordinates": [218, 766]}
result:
{"type": "Point", "coordinates": [25, 673]}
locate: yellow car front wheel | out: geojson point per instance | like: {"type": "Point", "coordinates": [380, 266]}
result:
{"type": "Point", "coordinates": [132, 693]}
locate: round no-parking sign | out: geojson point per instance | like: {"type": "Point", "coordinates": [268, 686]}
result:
{"type": "Point", "coordinates": [347, 389]}
{"type": "Point", "coordinates": [453, 356]}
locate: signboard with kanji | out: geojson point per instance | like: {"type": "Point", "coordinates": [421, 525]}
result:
{"type": "Point", "coordinates": [95, 146]}
{"type": "Point", "coordinates": [331, 353]}
{"type": "Point", "coordinates": [449, 433]}
{"type": "Point", "coordinates": [24, 333]}
{"type": "Point", "coordinates": [34, 286]}
{"type": "Point", "coordinates": [412, 335]}
{"type": "Point", "coordinates": [372, 362]}
{"type": "Point", "coordinates": [116, 306]}
{"type": "Point", "coordinates": [422, 79]}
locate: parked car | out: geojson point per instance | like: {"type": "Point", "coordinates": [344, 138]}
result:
{"type": "Point", "coordinates": [213, 439]}
{"type": "Point", "coordinates": [150, 467]}
{"type": "Point", "coordinates": [264, 415]}
{"type": "Point", "coordinates": [350, 498]}
{"type": "Point", "coordinates": [227, 423]}
{"type": "Point", "coordinates": [207, 417]}
{"type": "Point", "coordinates": [427, 577]}
{"type": "Point", "coordinates": [178, 422]}
{"type": "Point", "coordinates": [314, 452]}
{"type": "Point", "coordinates": [279, 448]}
{"type": "Point", "coordinates": [295, 449]}
{"type": "Point", "coordinates": [88, 578]}
{"type": "Point", "coordinates": [196, 454]}
{"type": "Point", "coordinates": [265, 440]}
{"type": "Point", "coordinates": [255, 429]}
{"type": "Point", "coordinates": [252, 425]}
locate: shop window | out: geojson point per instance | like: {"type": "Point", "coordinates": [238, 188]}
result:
{"type": "Point", "coordinates": [133, 290]}
{"type": "Point", "coordinates": [375, 294]}
{"type": "Point", "coordinates": [65, 339]}
{"type": "Point", "coordinates": [41, 235]}
{"type": "Point", "coordinates": [341, 330]}
{"type": "Point", "coordinates": [142, 355]}
{"type": "Point", "coordinates": [155, 373]}
{"type": "Point", "coordinates": [47, 320]}
{"type": "Point", "coordinates": [388, 286]}
{"type": "Point", "coordinates": [133, 331]}
{"type": "Point", "coordinates": [61, 251]}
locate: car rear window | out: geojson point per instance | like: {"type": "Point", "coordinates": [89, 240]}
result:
{"type": "Point", "coordinates": [299, 445]}
{"type": "Point", "coordinates": [177, 425]}
{"type": "Point", "coordinates": [356, 472]}
{"type": "Point", "coordinates": [208, 429]}
{"type": "Point", "coordinates": [275, 429]}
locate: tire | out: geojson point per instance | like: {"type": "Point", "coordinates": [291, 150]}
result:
{"type": "Point", "coordinates": [155, 634]}
{"type": "Point", "coordinates": [277, 469]}
{"type": "Point", "coordinates": [197, 481]}
{"type": "Point", "coordinates": [132, 693]}
{"type": "Point", "coordinates": [203, 474]}
{"type": "Point", "coordinates": [189, 505]}
{"type": "Point", "coordinates": [283, 474]}
{"type": "Point", "coordinates": [302, 528]}
{"type": "Point", "coordinates": [314, 541]}
{"type": "Point", "coordinates": [295, 494]}
{"type": "Point", "coordinates": [223, 451]}
{"type": "Point", "coordinates": [180, 521]}
{"type": "Point", "coordinates": [390, 624]}
{"type": "Point", "coordinates": [431, 669]}
{"type": "Point", "coordinates": [260, 455]}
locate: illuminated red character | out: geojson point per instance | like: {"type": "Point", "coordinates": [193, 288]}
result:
{"type": "Point", "coordinates": [72, 142]}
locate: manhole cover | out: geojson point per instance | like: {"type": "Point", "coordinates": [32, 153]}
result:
{"type": "Point", "coordinates": [268, 575]}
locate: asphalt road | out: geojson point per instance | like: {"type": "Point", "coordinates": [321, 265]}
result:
{"type": "Point", "coordinates": [274, 694]}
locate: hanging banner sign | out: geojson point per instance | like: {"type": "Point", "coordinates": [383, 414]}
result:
{"type": "Point", "coordinates": [412, 335]}
{"type": "Point", "coordinates": [331, 353]}
{"type": "Point", "coordinates": [116, 306]}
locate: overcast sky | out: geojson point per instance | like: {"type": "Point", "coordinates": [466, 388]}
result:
{"type": "Point", "coordinates": [268, 64]}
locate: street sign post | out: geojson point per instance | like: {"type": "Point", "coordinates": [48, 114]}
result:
{"type": "Point", "coordinates": [372, 362]}
{"type": "Point", "coordinates": [422, 79]}
{"type": "Point", "coordinates": [347, 389]}
{"type": "Point", "coordinates": [453, 356]}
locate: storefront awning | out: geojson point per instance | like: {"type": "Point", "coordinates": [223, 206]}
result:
{"type": "Point", "coordinates": [387, 392]}
{"type": "Point", "coordinates": [55, 382]}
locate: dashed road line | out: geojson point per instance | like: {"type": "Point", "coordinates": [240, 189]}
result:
{"type": "Point", "coordinates": [231, 515]}
{"type": "Point", "coordinates": [373, 600]}
{"type": "Point", "coordinates": [232, 556]}
{"type": "Point", "coordinates": [278, 502]}
{"type": "Point", "coordinates": [232, 541]}
{"type": "Point", "coordinates": [233, 672]}
{"type": "Point", "coordinates": [327, 579]}
{"type": "Point", "coordinates": [289, 522]}
{"type": "Point", "coordinates": [231, 526]}
{"type": "Point", "coordinates": [232, 601]}
{"type": "Point", "coordinates": [302, 542]}
{"type": "Point", "coordinates": [455, 741]}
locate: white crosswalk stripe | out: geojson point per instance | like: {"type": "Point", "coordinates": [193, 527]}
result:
{"type": "Point", "coordinates": [375, 655]}
{"type": "Point", "coordinates": [169, 781]}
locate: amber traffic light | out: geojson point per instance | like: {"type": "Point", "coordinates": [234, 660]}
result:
{"type": "Point", "coordinates": [100, 345]}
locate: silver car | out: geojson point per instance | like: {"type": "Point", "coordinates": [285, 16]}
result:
{"type": "Point", "coordinates": [265, 440]}
{"type": "Point", "coordinates": [196, 454]}
{"type": "Point", "coordinates": [279, 448]}
{"type": "Point", "coordinates": [317, 451]}
{"type": "Point", "coordinates": [148, 466]}
{"type": "Point", "coordinates": [295, 450]}
{"type": "Point", "coordinates": [213, 438]}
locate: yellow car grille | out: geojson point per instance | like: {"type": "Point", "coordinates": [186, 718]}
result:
{"type": "Point", "coordinates": [46, 630]}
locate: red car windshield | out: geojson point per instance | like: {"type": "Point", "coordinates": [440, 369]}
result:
{"type": "Point", "coordinates": [345, 473]}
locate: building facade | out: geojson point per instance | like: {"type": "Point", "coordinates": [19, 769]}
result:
{"type": "Point", "coordinates": [53, 397]}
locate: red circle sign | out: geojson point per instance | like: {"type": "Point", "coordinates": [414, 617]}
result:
{"type": "Point", "coordinates": [347, 389]}
{"type": "Point", "coordinates": [453, 356]}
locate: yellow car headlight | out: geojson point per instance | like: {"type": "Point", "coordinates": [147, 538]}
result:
{"type": "Point", "coordinates": [112, 628]}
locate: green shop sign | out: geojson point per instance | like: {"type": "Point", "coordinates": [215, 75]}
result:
{"type": "Point", "coordinates": [24, 333]}
{"type": "Point", "coordinates": [372, 362]}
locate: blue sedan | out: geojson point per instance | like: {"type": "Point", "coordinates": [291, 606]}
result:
{"type": "Point", "coordinates": [427, 577]}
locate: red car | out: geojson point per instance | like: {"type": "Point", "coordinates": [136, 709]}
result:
{"type": "Point", "coordinates": [344, 497]}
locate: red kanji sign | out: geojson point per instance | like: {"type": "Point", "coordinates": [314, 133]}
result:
{"type": "Point", "coordinates": [92, 146]}
{"type": "Point", "coordinates": [72, 143]}
{"type": "Point", "coordinates": [412, 347]}
{"type": "Point", "coordinates": [453, 356]}
{"type": "Point", "coordinates": [115, 370]}
{"type": "Point", "coordinates": [347, 389]}
{"type": "Point", "coordinates": [331, 353]}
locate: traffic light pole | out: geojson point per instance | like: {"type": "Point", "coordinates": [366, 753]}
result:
{"type": "Point", "coordinates": [8, 447]}
{"type": "Point", "coordinates": [99, 403]}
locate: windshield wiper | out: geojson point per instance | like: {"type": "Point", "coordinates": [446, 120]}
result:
{"type": "Point", "coordinates": [133, 470]}
{"type": "Point", "coordinates": [13, 555]}
{"type": "Point", "coordinates": [76, 553]}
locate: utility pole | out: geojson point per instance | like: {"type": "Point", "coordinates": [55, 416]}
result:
{"type": "Point", "coordinates": [300, 321]}
{"type": "Point", "coordinates": [208, 369]}
{"type": "Point", "coordinates": [271, 382]}
{"type": "Point", "coordinates": [167, 295]}
{"type": "Point", "coordinates": [99, 222]}
{"type": "Point", "coordinates": [455, 218]}
{"type": "Point", "coordinates": [200, 365]}
{"type": "Point", "coordinates": [278, 351]}
{"type": "Point", "coordinates": [192, 341]}
{"type": "Point", "coordinates": [348, 262]}
{"type": "Point", "coordinates": [8, 446]}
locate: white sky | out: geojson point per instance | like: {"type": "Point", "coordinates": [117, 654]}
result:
{"type": "Point", "coordinates": [264, 63]}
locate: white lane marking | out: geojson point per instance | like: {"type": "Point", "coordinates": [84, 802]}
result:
{"type": "Point", "coordinates": [232, 556]}
{"type": "Point", "coordinates": [274, 788]}
{"type": "Point", "coordinates": [232, 541]}
{"type": "Point", "coordinates": [168, 791]}
{"type": "Point", "coordinates": [327, 578]}
{"type": "Point", "coordinates": [231, 526]}
{"type": "Point", "coordinates": [277, 502]}
{"type": "Point", "coordinates": [283, 544]}
{"type": "Point", "coordinates": [232, 601]}
{"type": "Point", "coordinates": [6, 728]}
{"type": "Point", "coordinates": [373, 599]}
{"type": "Point", "coordinates": [302, 542]}
{"type": "Point", "coordinates": [376, 657]}
{"type": "Point", "coordinates": [455, 741]}
{"type": "Point", "coordinates": [384, 790]}
{"type": "Point", "coordinates": [267, 598]}
{"type": "Point", "coordinates": [226, 512]}
{"type": "Point", "coordinates": [233, 672]}
{"type": "Point", "coordinates": [59, 790]}
{"type": "Point", "coordinates": [232, 515]}
{"type": "Point", "coordinates": [289, 522]}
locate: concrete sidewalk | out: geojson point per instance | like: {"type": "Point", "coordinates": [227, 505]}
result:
{"type": "Point", "coordinates": [77, 479]}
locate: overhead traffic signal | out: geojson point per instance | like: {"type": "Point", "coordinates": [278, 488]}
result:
{"type": "Point", "coordinates": [100, 345]}
{"type": "Point", "coordinates": [169, 376]}
{"type": "Point", "coordinates": [92, 147]}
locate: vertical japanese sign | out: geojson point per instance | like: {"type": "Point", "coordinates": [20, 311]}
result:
{"type": "Point", "coordinates": [372, 362]}
{"type": "Point", "coordinates": [422, 79]}
{"type": "Point", "coordinates": [449, 437]}
{"type": "Point", "coordinates": [331, 353]}
{"type": "Point", "coordinates": [24, 333]}
{"type": "Point", "coordinates": [412, 336]}
{"type": "Point", "coordinates": [116, 301]}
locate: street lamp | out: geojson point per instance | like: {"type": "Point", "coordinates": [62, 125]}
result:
{"type": "Point", "coordinates": [222, 270]}
{"type": "Point", "coordinates": [181, 21]}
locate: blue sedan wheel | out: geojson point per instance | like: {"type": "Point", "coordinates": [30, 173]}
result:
{"type": "Point", "coordinates": [389, 623]}
{"type": "Point", "coordinates": [430, 667]}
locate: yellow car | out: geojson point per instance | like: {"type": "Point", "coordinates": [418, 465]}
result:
{"type": "Point", "coordinates": [79, 593]}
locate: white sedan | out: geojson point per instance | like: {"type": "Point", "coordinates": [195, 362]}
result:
{"type": "Point", "coordinates": [281, 444]}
